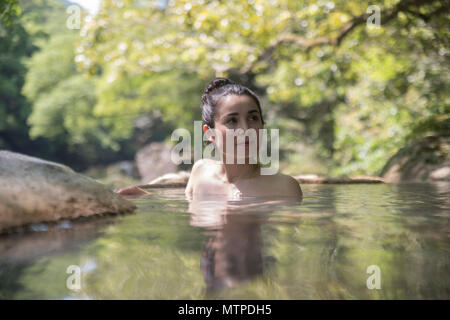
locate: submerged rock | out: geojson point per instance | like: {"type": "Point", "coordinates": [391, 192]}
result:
{"type": "Point", "coordinates": [313, 179]}
{"type": "Point", "coordinates": [33, 190]}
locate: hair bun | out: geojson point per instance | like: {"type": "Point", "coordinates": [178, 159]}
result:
{"type": "Point", "coordinates": [214, 85]}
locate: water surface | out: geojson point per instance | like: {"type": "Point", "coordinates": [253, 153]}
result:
{"type": "Point", "coordinates": [171, 248]}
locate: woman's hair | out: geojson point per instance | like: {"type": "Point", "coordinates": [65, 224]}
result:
{"type": "Point", "coordinates": [217, 89]}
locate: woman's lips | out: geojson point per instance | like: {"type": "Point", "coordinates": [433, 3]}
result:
{"type": "Point", "coordinates": [246, 142]}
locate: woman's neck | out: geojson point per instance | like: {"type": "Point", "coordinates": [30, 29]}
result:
{"type": "Point", "coordinates": [235, 172]}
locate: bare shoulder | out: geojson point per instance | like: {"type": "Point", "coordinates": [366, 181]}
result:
{"type": "Point", "coordinates": [204, 166]}
{"type": "Point", "coordinates": [286, 184]}
{"type": "Point", "coordinates": [204, 163]}
{"type": "Point", "coordinates": [199, 168]}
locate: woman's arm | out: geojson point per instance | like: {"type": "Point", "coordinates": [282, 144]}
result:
{"type": "Point", "coordinates": [192, 178]}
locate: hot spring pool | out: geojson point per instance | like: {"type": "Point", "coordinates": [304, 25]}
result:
{"type": "Point", "coordinates": [360, 241]}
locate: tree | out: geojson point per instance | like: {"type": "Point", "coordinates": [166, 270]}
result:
{"type": "Point", "coordinates": [63, 102]}
{"type": "Point", "coordinates": [9, 10]}
{"type": "Point", "coordinates": [356, 92]}
{"type": "Point", "coordinates": [15, 45]}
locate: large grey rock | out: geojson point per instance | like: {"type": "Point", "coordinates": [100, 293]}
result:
{"type": "Point", "coordinates": [34, 190]}
{"type": "Point", "coordinates": [154, 160]}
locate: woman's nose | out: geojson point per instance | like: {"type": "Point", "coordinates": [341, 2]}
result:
{"type": "Point", "coordinates": [244, 126]}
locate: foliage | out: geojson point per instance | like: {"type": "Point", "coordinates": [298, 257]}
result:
{"type": "Point", "coordinates": [345, 94]}
{"type": "Point", "coordinates": [64, 113]}
{"type": "Point", "coordinates": [171, 95]}
{"type": "Point", "coordinates": [15, 45]}
{"type": "Point", "coordinates": [43, 18]}
{"type": "Point", "coordinates": [359, 91]}
{"type": "Point", "coordinates": [63, 99]}
{"type": "Point", "coordinates": [9, 10]}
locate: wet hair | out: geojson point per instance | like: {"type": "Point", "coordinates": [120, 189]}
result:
{"type": "Point", "coordinates": [217, 89]}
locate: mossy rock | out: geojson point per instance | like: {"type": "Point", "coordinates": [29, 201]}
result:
{"type": "Point", "coordinates": [424, 160]}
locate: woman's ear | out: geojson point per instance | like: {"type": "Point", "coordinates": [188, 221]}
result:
{"type": "Point", "coordinates": [208, 136]}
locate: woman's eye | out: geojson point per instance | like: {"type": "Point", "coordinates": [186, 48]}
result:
{"type": "Point", "coordinates": [254, 118]}
{"type": "Point", "coordinates": [232, 120]}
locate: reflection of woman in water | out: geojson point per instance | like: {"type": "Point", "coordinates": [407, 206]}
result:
{"type": "Point", "coordinates": [226, 105]}
{"type": "Point", "coordinates": [232, 252]}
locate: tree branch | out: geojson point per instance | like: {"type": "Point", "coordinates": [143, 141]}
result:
{"type": "Point", "coordinates": [308, 44]}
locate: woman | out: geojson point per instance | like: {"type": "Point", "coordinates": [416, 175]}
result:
{"type": "Point", "coordinates": [227, 105]}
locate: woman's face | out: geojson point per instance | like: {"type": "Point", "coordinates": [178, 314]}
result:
{"type": "Point", "coordinates": [238, 112]}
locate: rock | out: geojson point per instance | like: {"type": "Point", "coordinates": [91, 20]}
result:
{"type": "Point", "coordinates": [312, 178]}
{"type": "Point", "coordinates": [181, 178]}
{"type": "Point", "coordinates": [154, 160]}
{"type": "Point", "coordinates": [115, 175]}
{"type": "Point", "coordinates": [34, 191]}
{"type": "Point", "coordinates": [124, 168]}
{"type": "Point", "coordinates": [169, 180]}
{"type": "Point", "coordinates": [22, 247]}
{"type": "Point", "coordinates": [441, 174]}
{"type": "Point", "coordinates": [423, 160]}
{"type": "Point", "coordinates": [178, 177]}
